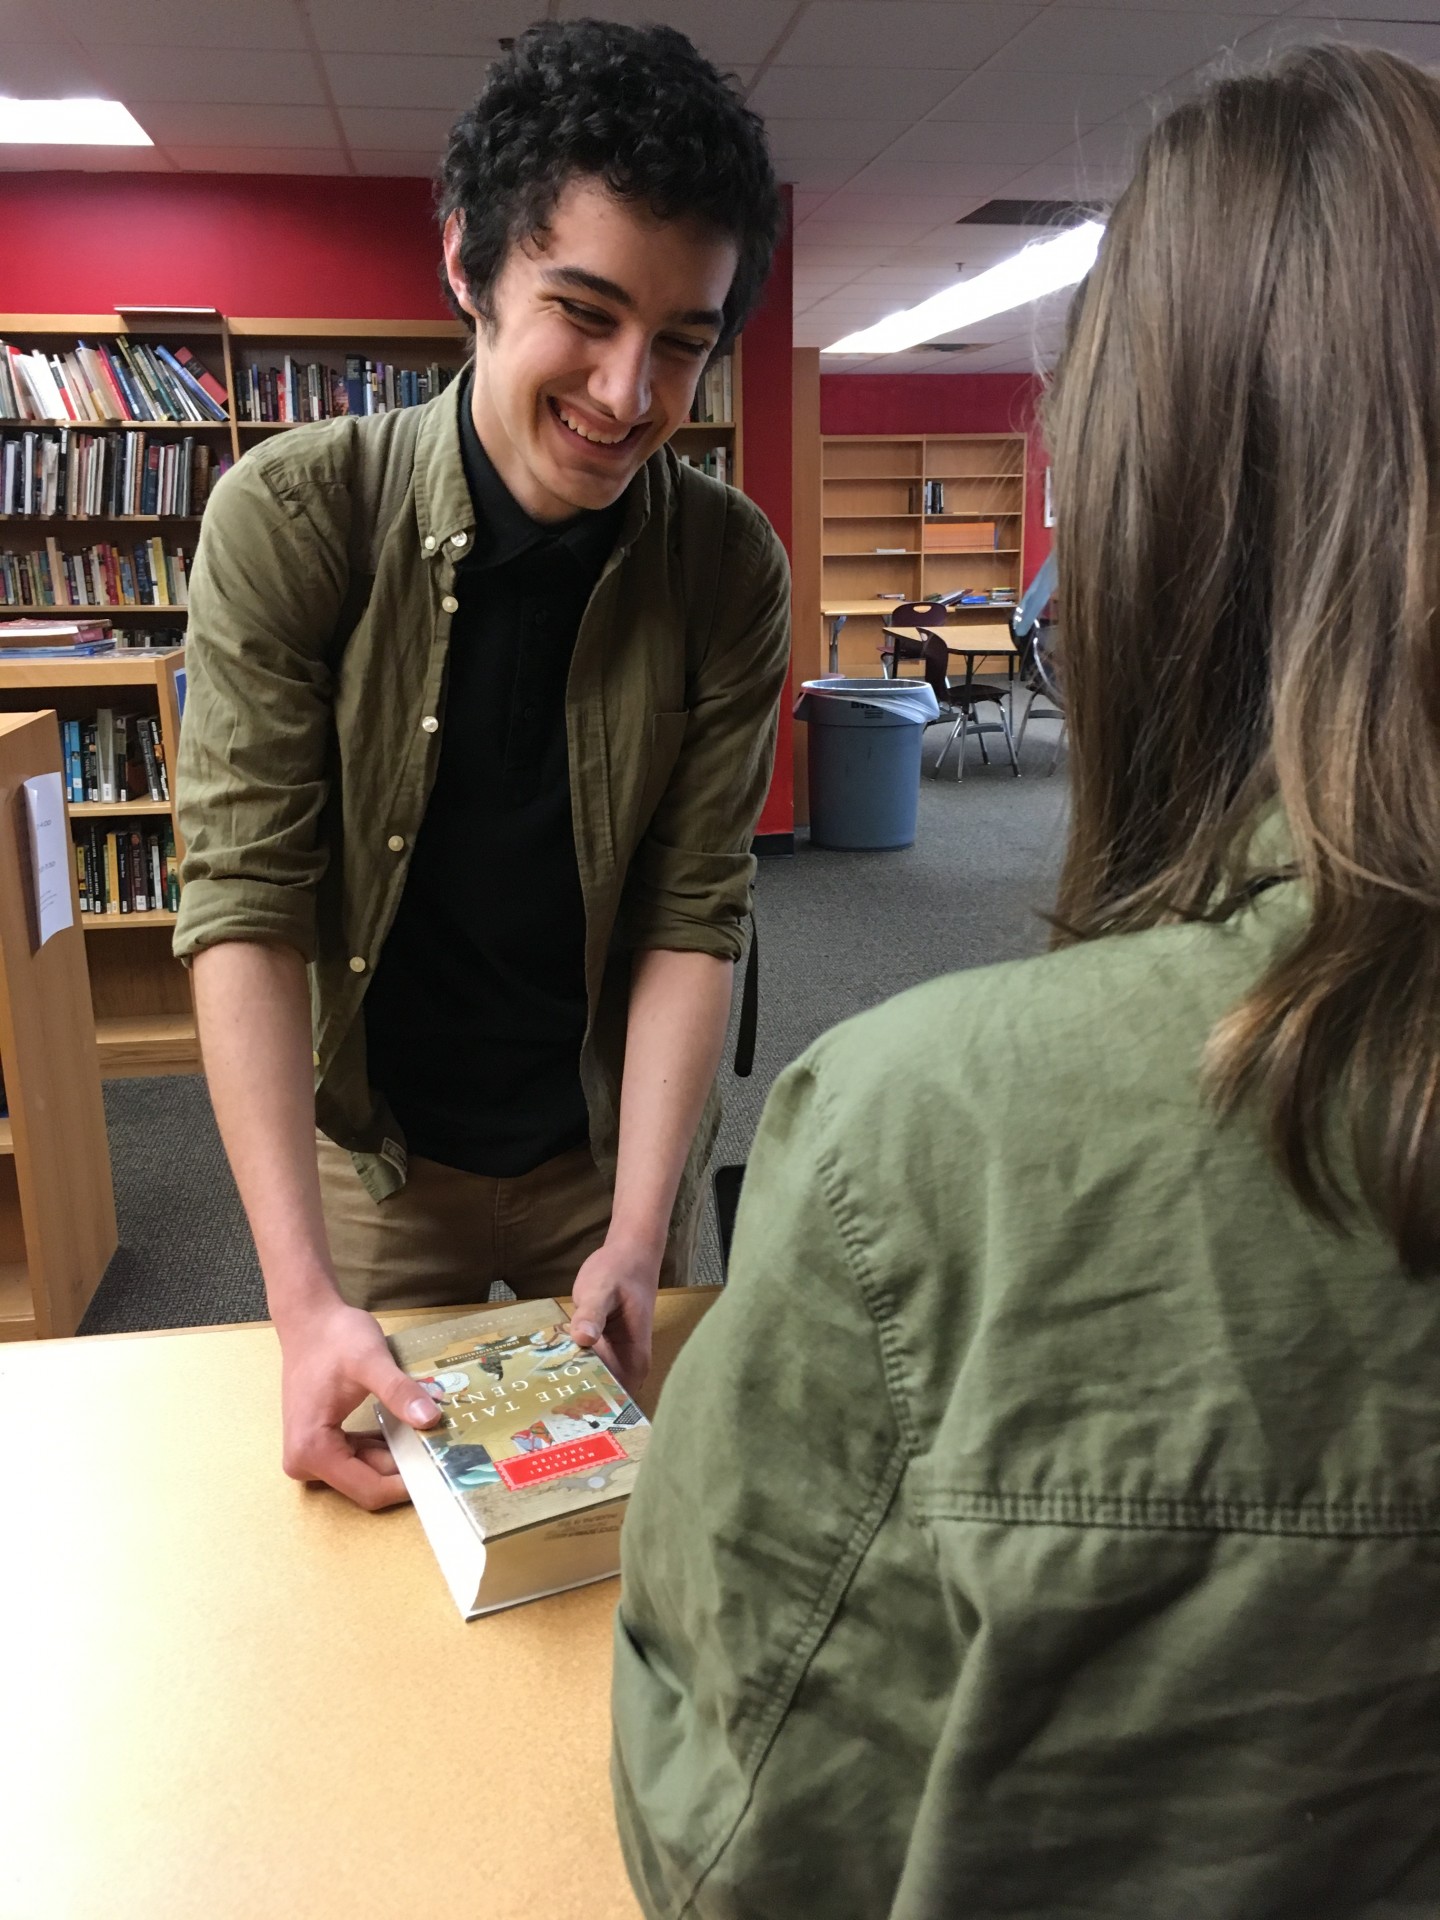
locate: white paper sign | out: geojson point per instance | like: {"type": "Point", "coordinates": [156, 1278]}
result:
{"type": "Point", "coordinates": [50, 853]}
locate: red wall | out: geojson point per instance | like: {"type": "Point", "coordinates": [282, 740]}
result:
{"type": "Point", "coordinates": [255, 244]}
{"type": "Point", "coordinates": [333, 248]}
{"type": "Point", "coordinates": [948, 403]}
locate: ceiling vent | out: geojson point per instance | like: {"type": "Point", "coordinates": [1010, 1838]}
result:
{"type": "Point", "coordinates": [1030, 213]}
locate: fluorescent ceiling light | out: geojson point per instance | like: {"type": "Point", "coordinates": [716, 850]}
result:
{"type": "Point", "coordinates": [1042, 268]}
{"type": "Point", "coordinates": [70, 123]}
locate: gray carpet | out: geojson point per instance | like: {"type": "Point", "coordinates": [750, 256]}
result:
{"type": "Point", "coordinates": [839, 932]}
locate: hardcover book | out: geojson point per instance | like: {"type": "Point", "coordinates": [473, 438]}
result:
{"type": "Point", "coordinates": [521, 1488]}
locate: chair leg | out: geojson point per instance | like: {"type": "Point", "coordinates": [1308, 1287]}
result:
{"type": "Point", "coordinates": [980, 736]}
{"type": "Point", "coordinates": [949, 742]}
{"type": "Point", "coordinates": [1009, 740]}
{"type": "Point", "coordinates": [1024, 718]}
{"type": "Point", "coordinates": [1059, 742]}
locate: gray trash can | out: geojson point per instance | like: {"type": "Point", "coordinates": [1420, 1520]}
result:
{"type": "Point", "coordinates": [865, 740]}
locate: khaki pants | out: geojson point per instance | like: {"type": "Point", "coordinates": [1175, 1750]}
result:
{"type": "Point", "coordinates": [446, 1236]}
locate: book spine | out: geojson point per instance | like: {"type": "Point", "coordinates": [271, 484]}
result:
{"type": "Point", "coordinates": [203, 378]}
{"type": "Point", "coordinates": [147, 751]}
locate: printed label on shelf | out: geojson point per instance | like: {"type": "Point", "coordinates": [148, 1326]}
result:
{"type": "Point", "coordinates": [51, 859]}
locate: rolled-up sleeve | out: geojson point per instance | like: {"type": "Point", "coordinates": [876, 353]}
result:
{"type": "Point", "coordinates": [689, 885]}
{"type": "Point", "coordinates": [269, 580]}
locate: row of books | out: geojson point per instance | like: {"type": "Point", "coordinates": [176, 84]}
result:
{"type": "Point", "coordinates": [122, 381]}
{"type": "Point", "coordinates": [145, 575]}
{"type": "Point", "coordinates": [115, 756]}
{"type": "Point", "coordinates": [714, 400]}
{"type": "Point", "coordinates": [126, 869]}
{"type": "Point", "coordinates": [311, 390]}
{"type": "Point", "coordinates": [716, 462]}
{"type": "Point", "coordinates": [77, 476]}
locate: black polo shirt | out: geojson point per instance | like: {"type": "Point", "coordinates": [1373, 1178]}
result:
{"type": "Point", "coordinates": [476, 1013]}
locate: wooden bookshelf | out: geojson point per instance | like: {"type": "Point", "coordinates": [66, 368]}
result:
{"type": "Point", "coordinates": [411, 345]}
{"type": "Point", "coordinates": [873, 496]}
{"type": "Point", "coordinates": [57, 1203]}
{"type": "Point", "coordinates": [144, 1018]}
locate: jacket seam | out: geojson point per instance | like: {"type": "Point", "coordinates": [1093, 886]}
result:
{"type": "Point", "coordinates": [1305, 1518]}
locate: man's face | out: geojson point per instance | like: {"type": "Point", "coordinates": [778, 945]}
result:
{"type": "Point", "coordinates": [602, 327]}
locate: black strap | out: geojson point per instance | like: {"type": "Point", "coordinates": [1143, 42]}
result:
{"type": "Point", "coordinates": [749, 1008]}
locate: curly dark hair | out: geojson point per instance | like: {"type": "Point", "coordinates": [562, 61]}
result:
{"type": "Point", "coordinates": [637, 108]}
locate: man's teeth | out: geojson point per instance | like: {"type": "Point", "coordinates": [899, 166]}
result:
{"type": "Point", "coordinates": [584, 432]}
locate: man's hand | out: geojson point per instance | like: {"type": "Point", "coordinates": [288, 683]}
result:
{"type": "Point", "coordinates": [334, 1356]}
{"type": "Point", "coordinates": [614, 1295]}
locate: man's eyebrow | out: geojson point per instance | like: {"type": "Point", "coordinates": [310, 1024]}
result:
{"type": "Point", "coordinates": [612, 290]}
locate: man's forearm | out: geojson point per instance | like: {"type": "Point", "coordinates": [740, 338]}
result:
{"type": "Point", "coordinates": [253, 1007]}
{"type": "Point", "coordinates": [679, 1010]}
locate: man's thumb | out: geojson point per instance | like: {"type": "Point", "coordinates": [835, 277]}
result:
{"type": "Point", "coordinates": [402, 1396]}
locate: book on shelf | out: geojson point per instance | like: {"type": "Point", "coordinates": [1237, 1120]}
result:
{"type": "Point", "coordinates": [298, 392]}
{"type": "Point", "coordinates": [521, 1488]}
{"type": "Point", "coordinates": [934, 501]}
{"type": "Point", "coordinates": [126, 869]}
{"type": "Point", "coordinates": [33, 634]}
{"type": "Point", "coordinates": [115, 757]}
{"type": "Point", "coordinates": [962, 536]}
{"type": "Point", "coordinates": [714, 402]}
{"type": "Point", "coordinates": [715, 461]}
{"type": "Point", "coordinates": [124, 380]}
{"type": "Point", "coordinates": [145, 575]}
{"type": "Point", "coordinates": [60, 474]}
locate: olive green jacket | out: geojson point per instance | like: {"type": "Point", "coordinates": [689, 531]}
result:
{"type": "Point", "coordinates": [1046, 1520]}
{"type": "Point", "coordinates": [319, 627]}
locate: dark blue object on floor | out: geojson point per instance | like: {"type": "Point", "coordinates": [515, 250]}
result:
{"type": "Point", "coordinates": [865, 738]}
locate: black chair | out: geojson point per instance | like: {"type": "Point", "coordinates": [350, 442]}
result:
{"type": "Point", "coordinates": [963, 698]}
{"type": "Point", "coordinates": [727, 1182]}
{"type": "Point", "coordinates": [1039, 677]}
{"type": "Point", "coordinates": [895, 647]}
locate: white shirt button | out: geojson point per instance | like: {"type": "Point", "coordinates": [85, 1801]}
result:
{"type": "Point", "coordinates": [357, 964]}
{"type": "Point", "coordinates": [450, 604]}
{"type": "Point", "coordinates": [458, 539]}
{"type": "Point", "coordinates": [396, 843]}
{"type": "Point", "coordinates": [430, 724]}
{"type": "Point", "coordinates": [430, 543]}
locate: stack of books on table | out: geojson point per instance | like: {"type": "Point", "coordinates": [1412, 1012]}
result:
{"type": "Point", "coordinates": [54, 639]}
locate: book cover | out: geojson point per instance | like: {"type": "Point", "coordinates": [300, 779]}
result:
{"type": "Point", "coordinates": [521, 1487]}
{"type": "Point", "coordinates": [203, 377]}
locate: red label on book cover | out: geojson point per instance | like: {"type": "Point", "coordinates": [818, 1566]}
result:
{"type": "Point", "coordinates": [553, 1463]}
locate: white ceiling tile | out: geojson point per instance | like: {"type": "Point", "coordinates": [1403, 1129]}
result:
{"type": "Point", "coordinates": [878, 208]}
{"type": "Point", "coordinates": [954, 143]}
{"type": "Point", "coordinates": [305, 160]}
{"type": "Point", "coordinates": [177, 123]}
{"type": "Point", "coordinates": [197, 77]}
{"type": "Point", "coordinates": [55, 72]}
{"type": "Point", "coordinates": [1402, 30]}
{"type": "Point", "coordinates": [839, 139]}
{"type": "Point", "coordinates": [816, 176]}
{"type": "Point", "coordinates": [1067, 101]}
{"type": "Point", "coordinates": [810, 93]}
{"type": "Point", "coordinates": [422, 162]}
{"type": "Point", "coordinates": [887, 34]}
{"type": "Point", "coordinates": [740, 32]}
{"type": "Point", "coordinates": [962, 183]}
{"type": "Point", "coordinates": [817, 233]}
{"type": "Point", "coordinates": [405, 79]}
{"type": "Point", "coordinates": [405, 129]}
{"type": "Point", "coordinates": [161, 24]}
{"type": "Point", "coordinates": [1113, 40]}
{"type": "Point", "coordinates": [456, 27]}
{"type": "Point", "coordinates": [807, 203]}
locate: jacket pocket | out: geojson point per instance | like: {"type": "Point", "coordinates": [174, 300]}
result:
{"type": "Point", "coordinates": [667, 736]}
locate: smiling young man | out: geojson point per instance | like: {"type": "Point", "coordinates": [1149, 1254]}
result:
{"type": "Point", "coordinates": [481, 716]}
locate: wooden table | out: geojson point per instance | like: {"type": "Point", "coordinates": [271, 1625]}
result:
{"type": "Point", "coordinates": [228, 1697]}
{"type": "Point", "coordinates": [997, 634]}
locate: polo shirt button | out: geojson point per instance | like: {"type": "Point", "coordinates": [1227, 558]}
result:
{"type": "Point", "coordinates": [450, 604]}
{"type": "Point", "coordinates": [396, 843]}
{"type": "Point", "coordinates": [357, 965]}
{"type": "Point", "coordinates": [458, 539]}
{"type": "Point", "coordinates": [430, 724]}
{"type": "Point", "coordinates": [429, 543]}
{"type": "Point", "coordinates": [316, 1058]}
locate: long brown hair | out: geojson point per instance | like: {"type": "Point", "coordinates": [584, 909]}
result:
{"type": "Point", "coordinates": [1246, 436]}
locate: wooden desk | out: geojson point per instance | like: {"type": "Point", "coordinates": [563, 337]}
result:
{"type": "Point", "coordinates": [229, 1697]}
{"type": "Point", "coordinates": [837, 612]}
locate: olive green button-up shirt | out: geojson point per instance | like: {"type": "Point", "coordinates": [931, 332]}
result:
{"type": "Point", "coordinates": [1045, 1522]}
{"type": "Point", "coordinates": [319, 626]}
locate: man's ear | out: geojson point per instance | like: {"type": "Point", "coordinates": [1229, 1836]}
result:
{"type": "Point", "coordinates": [454, 271]}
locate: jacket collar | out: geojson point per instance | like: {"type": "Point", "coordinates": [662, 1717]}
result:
{"type": "Point", "coordinates": [444, 508]}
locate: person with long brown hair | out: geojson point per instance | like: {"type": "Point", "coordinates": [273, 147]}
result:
{"type": "Point", "coordinates": [1046, 1521]}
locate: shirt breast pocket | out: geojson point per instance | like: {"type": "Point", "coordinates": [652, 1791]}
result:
{"type": "Point", "coordinates": [667, 736]}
